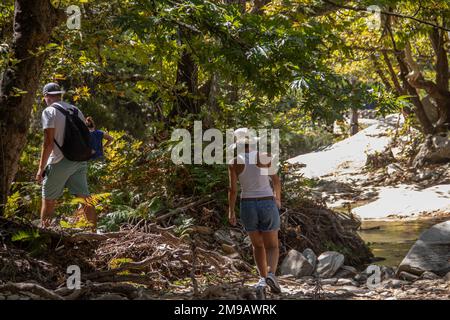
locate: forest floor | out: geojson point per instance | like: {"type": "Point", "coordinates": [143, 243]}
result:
{"type": "Point", "coordinates": [147, 261]}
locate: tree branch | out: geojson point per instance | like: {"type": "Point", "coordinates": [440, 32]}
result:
{"type": "Point", "coordinates": [387, 13]}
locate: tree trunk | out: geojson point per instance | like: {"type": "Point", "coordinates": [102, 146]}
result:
{"type": "Point", "coordinates": [419, 110]}
{"type": "Point", "coordinates": [34, 21]}
{"type": "Point", "coordinates": [392, 73]}
{"type": "Point", "coordinates": [380, 72]}
{"type": "Point", "coordinates": [187, 81]}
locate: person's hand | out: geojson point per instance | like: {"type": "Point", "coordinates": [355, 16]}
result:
{"type": "Point", "coordinates": [278, 201]}
{"type": "Point", "coordinates": [39, 175]}
{"type": "Point", "coordinates": [232, 218]}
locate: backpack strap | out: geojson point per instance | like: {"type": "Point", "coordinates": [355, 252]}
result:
{"type": "Point", "coordinates": [60, 109]}
{"type": "Point", "coordinates": [64, 112]}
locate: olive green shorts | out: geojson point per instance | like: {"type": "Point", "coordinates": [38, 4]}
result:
{"type": "Point", "coordinates": [65, 174]}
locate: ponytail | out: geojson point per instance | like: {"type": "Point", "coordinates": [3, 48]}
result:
{"type": "Point", "coordinates": [90, 123]}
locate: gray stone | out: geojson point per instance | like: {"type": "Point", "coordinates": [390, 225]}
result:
{"type": "Point", "coordinates": [13, 297]}
{"type": "Point", "coordinates": [435, 149]}
{"type": "Point", "coordinates": [431, 252]}
{"type": "Point", "coordinates": [344, 282]}
{"type": "Point", "coordinates": [427, 275]}
{"type": "Point", "coordinates": [329, 263]}
{"type": "Point", "coordinates": [447, 277]}
{"type": "Point", "coordinates": [330, 281]}
{"type": "Point", "coordinates": [387, 272]}
{"type": "Point", "coordinates": [311, 257]}
{"type": "Point", "coordinates": [2, 297]}
{"type": "Point", "coordinates": [362, 277]}
{"type": "Point", "coordinates": [296, 264]}
{"type": "Point", "coordinates": [346, 272]}
{"type": "Point", "coordinates": [393, 283]}
{"type": "Point", "coordinates": [408, 276]}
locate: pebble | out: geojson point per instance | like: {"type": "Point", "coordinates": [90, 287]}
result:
{"type": "Point", "coordinates": [344, 282]}
{"type": "Point", "coordinates": [330, 281]}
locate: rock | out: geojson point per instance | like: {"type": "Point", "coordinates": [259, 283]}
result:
{"type": "Point", "coordinates": [391, 298]}
{"type": "Point", "coordinates": [13, 297]}
{"type": "Point", "coordinates": [346, 272]}
{"type": "Point", "coordinates": [247, 242]}
{"type": "Point", "coordinates": [393, 283]}
{"type": "Point", "coordinates": [362, 277]}
{"type": "Point", "coordinates": [344, 282]}
{"type": "Point", "coordinates": [392, 169]}
{"type": "Point", "coordinates": [2, 297]}
{"type": "Point", "coordinates": [407, 276]}
{"type": "Point", "coordinates": [311, 257]}
{"type": "Point", "coordinates": [447, 277]}
{"type": "Point", "coordinates": [431, 252]}
{"type": "Point", "coordinates": [228, 249]}
{"type": "Point", "coordinates": [387, 272]}
{"type": "Point", "coordinates": [330, 281]}
{"type": "Point", "coordinates": [427, 275]}
{"type": "Point", "coordinates": [329, 263]}
{"type": "Point", "coordinates": [296, 264]}
{"type": "Point", "coordinates": [435, 149]}
{"type": "Point", "coordinates": [223, 236]}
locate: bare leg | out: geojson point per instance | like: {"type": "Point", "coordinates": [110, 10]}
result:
{"type": "Point", "coordinates": [89, 212]}
{"type": "Point", "coordinates": [47, 211]}
{"type": "Point", "coordinates": [270, 240]}
{"type": "Point", "coordinates": [259, 252]}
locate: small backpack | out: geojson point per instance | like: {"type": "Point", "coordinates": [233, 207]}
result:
{"type": "Point", "coordinates": [77, 138]}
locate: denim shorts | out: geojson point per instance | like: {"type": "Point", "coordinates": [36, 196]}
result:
{"type": "Point", "coordinates": [261, 215]}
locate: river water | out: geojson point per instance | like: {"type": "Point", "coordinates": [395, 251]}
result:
{"type": "Point", "coordinates": [393, 239]}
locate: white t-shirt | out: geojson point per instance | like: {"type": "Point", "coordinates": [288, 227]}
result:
{"type": "Point", "coordinates": [53, 118]}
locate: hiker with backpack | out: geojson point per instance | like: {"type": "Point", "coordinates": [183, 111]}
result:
{"type": "Point", "coordinates": [65, 150]}
{"type": "Point", "coordinates": [97, 137]}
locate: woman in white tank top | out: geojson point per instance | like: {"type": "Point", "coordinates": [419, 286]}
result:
{"type": "Point", "coordinates": [260, 200]}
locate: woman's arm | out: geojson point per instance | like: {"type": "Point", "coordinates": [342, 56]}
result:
{"type": "Point", "coordinates": [108, 139]}
{"type": "Point", "coordinates": [276, 189]}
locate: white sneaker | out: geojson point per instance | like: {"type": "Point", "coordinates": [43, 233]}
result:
{"type": "Point", "coordinates": [261, 289]}
{"type": "Point", "coordinates": [272, 282]}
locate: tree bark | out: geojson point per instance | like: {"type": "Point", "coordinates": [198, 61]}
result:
{"type": "Point", "coordinates": [419, 109]}
{"type": "Point", "coordinates": [380, 72]}
{"type": "Point", "coordinates": [392, 73]}
{"type": "Point", "coordinates": [34, 21]}
{"type": "Point", "coordinates": [187, 81]}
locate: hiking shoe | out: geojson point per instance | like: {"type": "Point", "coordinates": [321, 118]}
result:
{"type": "Point", "coordinates": [272, 282]}
{"type": "Point", "coordinates": [261, 289]}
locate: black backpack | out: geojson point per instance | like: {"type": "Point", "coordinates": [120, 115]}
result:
{"type": "Point", "coordinates": [77, 138]}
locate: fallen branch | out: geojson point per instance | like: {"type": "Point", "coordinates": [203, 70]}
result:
{"type": "Point", "coordinates": [33, 288]}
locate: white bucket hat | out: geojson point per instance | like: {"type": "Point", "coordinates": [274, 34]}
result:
{"type": "Point", "coordinates": [244, 136]}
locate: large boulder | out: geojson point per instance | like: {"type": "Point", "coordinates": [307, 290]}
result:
{"type": "Point", "coordinates": [329, 263]}
{"type": "Point", "coordinates": [431, 252]}
{"type": "Point", "coordinates": [310, 256]}
{"type": "Point", "coordinates": [296, 264]}
{"type": "Point", "coordinates": [435, 149]}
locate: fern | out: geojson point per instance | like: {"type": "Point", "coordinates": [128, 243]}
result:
{"type": "Point", "coordinates": [25, 235]}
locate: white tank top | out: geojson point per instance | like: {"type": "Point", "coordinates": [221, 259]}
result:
{"type": "Point", "coordinates": [254, 184]}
